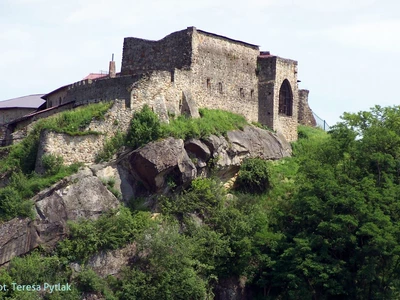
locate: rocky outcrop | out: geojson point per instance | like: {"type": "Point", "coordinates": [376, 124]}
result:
{"type": "Point", "coordinates": [159, 166]}
{"type": "Point", "coordinates": [153, 163]}
{"type": "Point", "coordinates": [158, 163]}
{"type": "Point", "coordinates": [80, 196]}
{"type": "Point", "coordinates": [109, 262]}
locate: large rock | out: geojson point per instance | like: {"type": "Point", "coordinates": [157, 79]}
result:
{"type": "Point", "coordinates": [251, 142]}
{"type": "Point", "coordinates": [17, 237]}
{"type": "Point", "coordinates": [158, 162]}
{"type": "Point", "coordinates": [198, 149]}
{"type": "Point", "coordinates": [80, 196]}
{"type": "Point", "coordinates": [257, 142]}
{"type": "Point", "coordinates": [111, 262]}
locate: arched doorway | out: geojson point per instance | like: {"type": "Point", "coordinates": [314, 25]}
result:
{"type": "Point", "coordinates": [286, 99]}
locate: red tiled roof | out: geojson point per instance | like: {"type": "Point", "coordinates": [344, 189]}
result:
{"type": "Point", "coordinates": [95, 76]}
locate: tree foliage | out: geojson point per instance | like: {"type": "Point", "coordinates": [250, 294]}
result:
{"type": "Point", "coordinates": [341, 228]}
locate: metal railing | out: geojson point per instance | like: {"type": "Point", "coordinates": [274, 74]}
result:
{"type": "Point", "coordinates": [321, 122]}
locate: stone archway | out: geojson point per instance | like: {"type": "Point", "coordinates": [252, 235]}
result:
{"type": "Point", "coordinates": [286, 99]}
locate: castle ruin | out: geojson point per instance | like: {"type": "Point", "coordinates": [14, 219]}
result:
{"type": "Point", "coordinates": [191, 69]}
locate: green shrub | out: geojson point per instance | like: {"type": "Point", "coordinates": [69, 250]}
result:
{"type": "Point", "coordinates": [111, 146]}
{"type": "Point", "coordinates": [253, 176]}
{"type": "Point", "coordinates": [12, 204]}
{"type": "Point", "coordinates": [167, 270]}
{"type": "Point", "coordinates": [110, 231]}
{"type": "Point", "coordinates": [89, 281]}
{"type": "Point", "coordinates": [204, 195]}
{"type": "Point", "coordinates": [110, 183]}
{"type": "Point", "coordinates": [35, 269]}
{"type": "Point", "coordinates": [52, 163]}
{"type": "Point", "coordinates": [145, 127]}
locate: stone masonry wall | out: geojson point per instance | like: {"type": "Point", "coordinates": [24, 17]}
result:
{"type": "Point", "coordinates": [10, 114]}
{"type": "Point", "coordinates": [287, 125]}
{"type": "Point", "coordinates": [88, 91]}
{"type": "Point", "coordinates": [223, 74]}
{"type": "Point", "coordinates": [157, 91]}
{"type": "Point", "coordinates": [305, 116]}
{"type": "Point", "coordinates": [85, 148]}
{"type": "Point", "coordinates": [171, 52]}
{"type": "Point", "coordinates": [57, 98]}
{"type": "Point", "coordinates": [273, 71]}
{"type": "Point", "coordinates": [266, 69]}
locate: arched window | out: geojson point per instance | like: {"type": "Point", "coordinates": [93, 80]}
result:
{"type": "Point", "coordinates": [285, 98]}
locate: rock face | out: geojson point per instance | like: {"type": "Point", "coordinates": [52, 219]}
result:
{"type": "Point", "coordinates": [157, 163]}
{"type": "Point", "coordinates": [79, 196]}
{"type": "Point", "coordinates": [153, 163]}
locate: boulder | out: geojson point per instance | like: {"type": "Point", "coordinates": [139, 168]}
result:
{"type": "Point", "coordinates": [80, 196]}
{"type": "Point", "coordinates": [198, 149]}
{"type": "Point", "coordinates": [251, 142]}
{"type": "Point", "coordinates": [156, 161]}
{"type": "Point", "coordinates": [17, 237]}
{"type": "Point", "coordinates": [111, 262]}
{"type": "Point", "coordinates": [256, 142]}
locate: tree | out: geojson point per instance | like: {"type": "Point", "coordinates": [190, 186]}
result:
{"type": "Point", "coordinates": [341, 228]}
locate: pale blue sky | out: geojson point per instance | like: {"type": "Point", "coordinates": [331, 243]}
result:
{"type": "Point", "coordinates": [348, 51]}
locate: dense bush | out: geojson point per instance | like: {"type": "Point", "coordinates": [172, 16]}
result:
{"type": "Point", "coordinates": [166, 268]}
{"type": "Point", "coordinates": [145, 127]}
{"type": "Point", "coordinates": [110, 231]}
{"type": "Point", "coordinates": [35, 269]}
{"type": "Point", "coordinates": [52, 163]}
{"type": "Point", "coordinates": [202, 197]}
{"type": "Point", "coordinates": [253, 176]}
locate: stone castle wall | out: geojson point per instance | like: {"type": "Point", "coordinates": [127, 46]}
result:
{"type": "Point", "coordinates": [272, 71]}
{"type": "Point", "coordinates": [217, 71]}
{"type": "Point", "coordinates": [223, 74]}
{"type": "Point", "coordinates": [171, 52]}
{"type": "Point", "coordinates": [88, 91]}
{"type": "Point", "coordinates": [305, 116]}
{"type": "Point", "coordinates": [85, 148]}
{"type": "Point", "coordinates": [57, 98]}
{"type": "Point", "coordinates": [287, 125]}
{"type": "Point", "coordinates": [9, 114]}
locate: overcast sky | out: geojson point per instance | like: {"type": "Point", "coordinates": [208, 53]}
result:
{"type": "Point", "coordinates": [348, 50]}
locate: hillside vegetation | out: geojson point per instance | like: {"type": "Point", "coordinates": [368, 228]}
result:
{"type": "Point", "coordinates": [24, 183]}
{"type": "Point", "coordinates": [323, 224]}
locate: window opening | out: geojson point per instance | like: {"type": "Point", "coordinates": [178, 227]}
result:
{"type": "Point", "coordinates": [285, 98]}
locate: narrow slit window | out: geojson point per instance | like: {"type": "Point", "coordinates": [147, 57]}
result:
{"type": "Point", "coordinates": [220, 87]}
{"type": "Point", "coordinates": [241, 92]}
{"type": "Point", "coordinates": [208, 83]}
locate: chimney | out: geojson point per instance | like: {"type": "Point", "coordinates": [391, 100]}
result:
{"type": "Point", "coordinates": [111, 69]}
